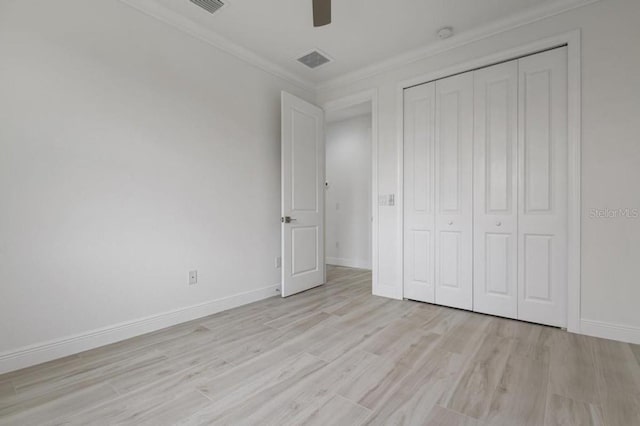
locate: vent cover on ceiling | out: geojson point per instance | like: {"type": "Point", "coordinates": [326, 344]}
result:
{"type": "Point", "coordinates": [209, 5]}
{"type": "Point", "coordinates": [314, 59]}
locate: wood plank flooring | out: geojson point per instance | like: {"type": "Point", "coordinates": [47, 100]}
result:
{"type": "Point", "coordinates": [336, 355]}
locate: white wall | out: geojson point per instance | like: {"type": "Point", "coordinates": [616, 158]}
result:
{"type": "Point", "coordinates": [610, 154]}
{"type": "Point", "coordinates": [130, 153]}
{"type": "Point", "coordinates": [348, 197]}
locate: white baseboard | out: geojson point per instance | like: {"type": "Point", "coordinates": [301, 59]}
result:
{"type": "Point", "coordinates": [605, 330]}
{"type": "Point", "coordinates": [47, 351]}
{"type": "Point", "coordinates": [349, 263]}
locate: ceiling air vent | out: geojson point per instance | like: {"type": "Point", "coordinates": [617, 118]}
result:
{"type": "Point", "coordinates": [314, 59]}
{"type": "Point", "coordinates": [210, 6]}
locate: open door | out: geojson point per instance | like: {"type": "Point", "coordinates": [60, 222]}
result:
{"type": "Point", "coordinates": [302, 195]}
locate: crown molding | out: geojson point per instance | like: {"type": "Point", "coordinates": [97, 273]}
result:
{"type": "Point", "coordinates": [198, 31]}
{"type": "Point", "coordinates": [468, 37]}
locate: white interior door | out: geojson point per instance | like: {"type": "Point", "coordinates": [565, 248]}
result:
{"type": "Point", "coordinates": [495, 190]}
{"type": "Point", "coordinates": [302, 195]}
{"type": "Point", "coordinates": [542, 152]}
{"type": "Point", "coordinates": [453, 191]}
{"type": "Point", "coordinates": [419, 185]}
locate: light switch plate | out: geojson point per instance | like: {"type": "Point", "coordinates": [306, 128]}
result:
{"type": "Point", "coordinates": [387, 200]}
{"type": "Point", "coordinates": [193, 277]}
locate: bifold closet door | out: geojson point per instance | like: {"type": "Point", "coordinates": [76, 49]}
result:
{"type": "Point", "coordinates": [492, 238]}
{"type": "Point", "coordinates": [542, 219]}
{"type": "Point", "coordinates": [453, 191]}
{"type": "Point", "coordinates": [495, 221]}
{"type": "Point", "coordinates": [419, 182]}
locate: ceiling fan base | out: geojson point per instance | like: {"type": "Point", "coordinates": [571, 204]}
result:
{"type": "Point", "coordinates": [321, 13]}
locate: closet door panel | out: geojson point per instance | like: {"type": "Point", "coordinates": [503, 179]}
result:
{"type": "Point", "coordinates": [419, 184]}
{"type": "Point", "coordinates": [453, 191]}
{"type": "Point", "coordinates": [542, 152]}
{"type": "Point", "coordinates": [495, 190]}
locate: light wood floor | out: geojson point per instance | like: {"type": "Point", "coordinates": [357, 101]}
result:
{"type": "Point", "coordinates": [337, 355]}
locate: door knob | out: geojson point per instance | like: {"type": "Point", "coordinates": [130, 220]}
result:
{"type": "Point", "coordinates": [498, 223]}
{"type": "Point", "coordinates": [450, 223]}
{"type": "Point", "coordinates": [287, 219]}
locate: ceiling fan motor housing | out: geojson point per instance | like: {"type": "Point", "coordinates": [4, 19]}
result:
{"type": "Point", "coordinates": [321, 12]}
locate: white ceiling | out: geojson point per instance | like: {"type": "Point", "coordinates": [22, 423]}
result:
{"type": "Point", "coordinates": [274, 33]}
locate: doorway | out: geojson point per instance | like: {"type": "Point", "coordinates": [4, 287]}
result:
{"type": "Point", "coordinates": [304, 188]}
{"type": "Point", "coordinates": [348, 187]}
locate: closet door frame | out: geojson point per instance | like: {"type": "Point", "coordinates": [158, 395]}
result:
{"type": "Point", "coordinates": [572, 40]}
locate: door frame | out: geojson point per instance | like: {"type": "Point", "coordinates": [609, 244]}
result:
{"type": "Point", "coordinates": [572, 40]}
{"type": "Point", "coordinates": [346, 102]}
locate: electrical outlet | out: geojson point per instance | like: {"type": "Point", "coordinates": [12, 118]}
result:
{"type": "Point", "coordinates": [278, 262]}
{"type": "Point", "coordinates": [193, 277]}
